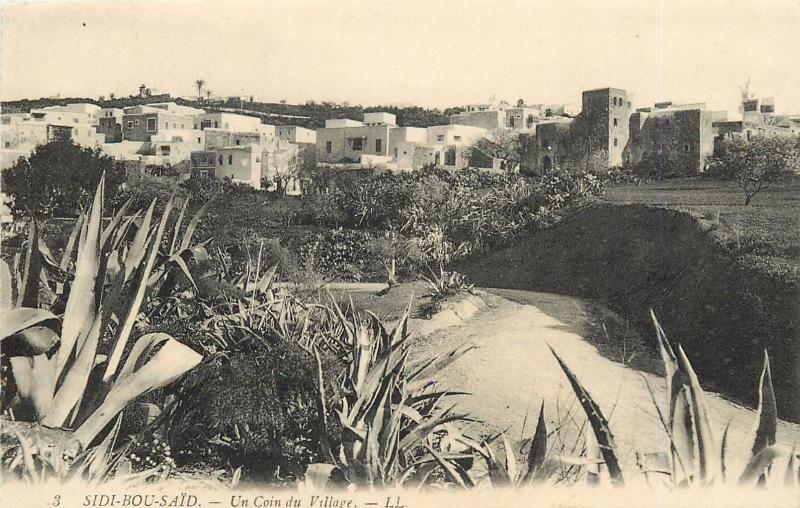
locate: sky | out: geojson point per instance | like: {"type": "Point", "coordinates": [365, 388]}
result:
{"type": "Point", "coordinates": [430, 53]}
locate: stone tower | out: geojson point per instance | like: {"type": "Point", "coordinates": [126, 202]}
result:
{"type": "Point", "coordinates": [607, 112]}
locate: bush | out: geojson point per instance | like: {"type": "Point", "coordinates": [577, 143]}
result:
{"type": "Point", "coordinates": [562, 187]}
{"type": "Point", "coordinates": [143, 188]}
{"type": "Point", "coordinates": [255, 409]}
{"type": "Point", "coordinates": [342, 254]}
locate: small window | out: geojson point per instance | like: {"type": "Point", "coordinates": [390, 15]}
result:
{"type": "Point", "coordinates": [221, 160]}
{"type": "Point", "coordinates": [440, 137]}
{"type": "Point", "coordinates": [136, 122]}
{"type": "Point", "coordinates": [238, 142]}
{"type": "Point", "coordinates": [230, 160]}
{"type": "Point", "coordinates": [328, 147]}
{"type": "Point", "coordinates": [151, 124]}
{"type": "Point", "coordinates": [358, 144]}
{"type": "Point", "coordinates": [615, 141]}
{"type": "Point", "coordinates": [166, 125]}
{"type": "Point", "coordinates": [687, 147]}
{"type": "Point", "coordinates": [216, 124]}
{"type": "Point", "coordinates": [615, 122]}
{"type": "Point", "coordinates": [378, 145]}
{"type": "Point", "coordinates": [199, 141]}
{"type": "Point", "coordinates": [456, 138]}
{"type": "Point", "coordinates": [130, 124]}
{"type": "Point", "coordinates": [8, 144]}
{"type": "Point", "coordinates": [258, 159]}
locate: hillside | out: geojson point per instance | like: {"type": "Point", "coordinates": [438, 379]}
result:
{"type": "Point", "coordinates": [311, 115]}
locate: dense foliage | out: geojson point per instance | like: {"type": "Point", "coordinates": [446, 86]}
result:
{"type": "Point", "coordinates": [59, 178]}
{"type": "Point", "coordinates": [470, 210]}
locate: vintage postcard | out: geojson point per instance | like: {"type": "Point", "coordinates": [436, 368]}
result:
{"type": "Point", "coordinates": [399, 254]}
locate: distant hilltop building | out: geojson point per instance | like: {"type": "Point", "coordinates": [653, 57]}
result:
{"type": "Point", "coordinates": [502, 115]}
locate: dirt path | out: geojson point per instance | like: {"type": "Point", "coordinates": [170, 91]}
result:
{"type": "Point", "coordinates": [512, 371]}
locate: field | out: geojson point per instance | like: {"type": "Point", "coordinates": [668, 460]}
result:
{"type": "Point", "coordinates": [765, 233]}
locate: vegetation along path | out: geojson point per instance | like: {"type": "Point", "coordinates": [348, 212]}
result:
{"type": "Point", "coordinates": [512, 371]}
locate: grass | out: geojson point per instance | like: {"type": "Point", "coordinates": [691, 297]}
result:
{"type": "Point", "coordinates": [765, 233]}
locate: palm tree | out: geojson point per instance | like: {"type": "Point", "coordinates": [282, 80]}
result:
{"type": "Point", "coordinates": [199, 84]}
{"type": "Point", "coordinates": [208, 95]}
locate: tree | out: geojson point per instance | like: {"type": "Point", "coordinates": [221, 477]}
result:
{"type": "Point", "coordinates": [501, 144]}
{"type": "Point", "coordinates": [199, 83]}
{"type": "Point", "coordinates": [285, 168]}
{"type": "Point", "coordinates": [58, 178]}
{"type": "Point", "coordinates": [587, 133]}
{"type": "Point", "coordinates": [753, 163]}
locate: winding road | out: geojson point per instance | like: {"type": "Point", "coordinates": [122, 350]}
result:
{"type": "Point", "coordinates": [513, 371]}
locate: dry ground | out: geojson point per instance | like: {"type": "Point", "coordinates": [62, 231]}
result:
{"type": "Point", "coordinates": [513, 371]}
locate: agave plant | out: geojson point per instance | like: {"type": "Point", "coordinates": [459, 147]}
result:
{"type": "Point", "coordinates": [694, 457]}
{"type": "Point", "coordinates": [76, 372]}
{"type": "Point", "coordinates": [504, 472]}
{"type": "Point", "coordinates": [389, 410]}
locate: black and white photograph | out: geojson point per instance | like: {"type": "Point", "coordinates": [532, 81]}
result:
{"type": "Point", "coordinates": [399, 254]}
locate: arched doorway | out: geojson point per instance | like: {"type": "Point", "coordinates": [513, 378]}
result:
{"type": "Point", "coordinates": [547, 163]}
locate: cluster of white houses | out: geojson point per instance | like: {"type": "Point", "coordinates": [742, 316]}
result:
{"type": "Point", "coordinates": [227, 145]}
{"type": "Point", "coordinates": [188, 139]}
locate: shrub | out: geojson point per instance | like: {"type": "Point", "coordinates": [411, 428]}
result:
{"type": "Point", "coordinates": [142, 188]}
{"type": "Point", "coordinates": [561, 187]}
{"type": "Point", "coordinates": [442, 286]}
{"type": "Point", "coordinates": [255, 409]}
{"type": "Point", "coordinates": [341, 253]}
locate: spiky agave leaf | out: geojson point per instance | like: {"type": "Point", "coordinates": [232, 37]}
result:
{"type": "Point", "coordinates": [28, 292]}
{"type": "Point", "coordinates": [136, 300]}
{"type": "Point", "coordinates": [602, 432]}
{"type": "Point", "coordinates": [767, 410]}
{"type": "Point", "coordinates": [76, 379]}
{"type": "Point", "coordinates": [790, 477]}
{"type": "Point", "coordinates": [81, 304]}
{"type": "Point", "coordinates": [66, 256]}
{"type": "Point", "coordinates": [707, 458]}
{"type": "Point", "coordinates": [723, 450]}
{"type": "Point", "coordinates": [13, 321]}
{"type": "Point", "coordinates": [538, 450]}
{"type": "Point", "coordinates": [137, 377]}
{"type": "Point", "coordinates": [758, 465]}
